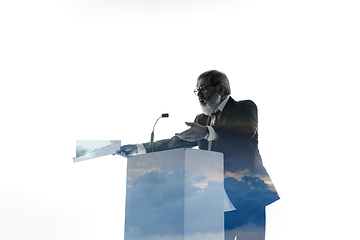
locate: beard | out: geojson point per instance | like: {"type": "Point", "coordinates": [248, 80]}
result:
{"type": "Point", "coordinates": [206, 109]}
{"type": "Point", "coordinates": [209, 105]}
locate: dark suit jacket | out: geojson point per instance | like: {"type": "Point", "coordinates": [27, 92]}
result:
{"type": "Point", "coordinates": [237, 140]}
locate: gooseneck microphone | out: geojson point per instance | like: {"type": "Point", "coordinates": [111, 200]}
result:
{"type": "Point", "coordinates": [164, 115]}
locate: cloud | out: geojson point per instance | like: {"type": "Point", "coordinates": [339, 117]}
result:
{"type": "Point", "coordinates": [80, 151]}
{"type": "Point", "coordinates": [249, 232]}
{"type": "Point", "coordinates": [155, 205]}
{"type": "Point", "coordinates": [156, 192]}
{"type": "Point", "coordinates": [250, 195]}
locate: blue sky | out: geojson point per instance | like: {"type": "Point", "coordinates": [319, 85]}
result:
{"type": "Point", "coordinates": [171, 195]}
{"type": "Point", "coordinates": [107, 70]}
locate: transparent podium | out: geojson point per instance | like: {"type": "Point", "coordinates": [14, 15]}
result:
{"type": "Point", "coordinates": [174, 195]}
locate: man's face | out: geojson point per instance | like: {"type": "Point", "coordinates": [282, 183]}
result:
{"type": "Point", "coordinates": [209, 97]}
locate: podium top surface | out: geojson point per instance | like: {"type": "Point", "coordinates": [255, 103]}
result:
{"type": "Point", "coordinates": [183, 150]}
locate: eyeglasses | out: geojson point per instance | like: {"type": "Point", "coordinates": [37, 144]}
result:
{"type": "Point", "coordinates": [203, 88]}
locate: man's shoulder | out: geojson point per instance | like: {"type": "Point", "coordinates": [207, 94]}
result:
{"type": "Point", "coordinates": [242, 103]}
{"type": "Point", "coordinates": [246, 101]}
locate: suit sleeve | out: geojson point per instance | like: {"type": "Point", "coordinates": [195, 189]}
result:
{"type": "Point", "coordinates": [167, 144]}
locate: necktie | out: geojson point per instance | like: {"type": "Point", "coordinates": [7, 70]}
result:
{"type": "Point", "coordinates": [213, 118]}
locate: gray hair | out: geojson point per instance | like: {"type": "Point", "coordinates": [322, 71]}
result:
{"type": "Point", "coordinates": [217, 77]}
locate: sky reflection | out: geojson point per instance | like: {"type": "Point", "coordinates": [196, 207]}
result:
{"type": "Point", "coordinates": [175, 194]}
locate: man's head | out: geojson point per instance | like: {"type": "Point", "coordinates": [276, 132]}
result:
{"type": "Point", "coordinates": [211, 88]}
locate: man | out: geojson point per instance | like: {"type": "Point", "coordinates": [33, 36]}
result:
{"type": "Point", "coordinates": [229, 127]}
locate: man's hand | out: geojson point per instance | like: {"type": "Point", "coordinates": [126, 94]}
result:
{"type": "Point", "coordinates": [127, 150]}
{"type": "Point", "coordinates": [194, 133]}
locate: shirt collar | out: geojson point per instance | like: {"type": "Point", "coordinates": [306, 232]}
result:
{"type": "Point", "coordinates": [222, 104]}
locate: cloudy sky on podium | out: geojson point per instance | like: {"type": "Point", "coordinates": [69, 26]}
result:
{"type": "Point", "coordinates": [86, 70]}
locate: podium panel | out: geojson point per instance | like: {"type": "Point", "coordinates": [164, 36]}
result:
{"type": "Point", "coordinates": [175, 195]}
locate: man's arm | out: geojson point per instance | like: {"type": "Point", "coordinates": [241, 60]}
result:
{"type": "Point", "coordinates": [167, 144]}
{"type": "Point", "coordinates": [161, 145]}
{"type": "Point", "coordinates": [187, 139]}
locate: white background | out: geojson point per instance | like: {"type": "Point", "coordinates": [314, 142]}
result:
{"type": "Point", "coordinates": [106, 70]}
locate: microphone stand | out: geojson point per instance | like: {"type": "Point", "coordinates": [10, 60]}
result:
{"type": "Point", "coordinates": [164, 115]}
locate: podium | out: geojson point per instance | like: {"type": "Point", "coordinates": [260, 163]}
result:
{"type": "Point", "coordinates": [175, 195]}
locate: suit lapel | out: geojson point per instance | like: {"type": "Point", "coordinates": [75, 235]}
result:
{"type": "Point", "coordinates": [227, 112]}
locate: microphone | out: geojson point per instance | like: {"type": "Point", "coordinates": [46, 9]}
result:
{"type": "Point", "coordinates": [164, 115]}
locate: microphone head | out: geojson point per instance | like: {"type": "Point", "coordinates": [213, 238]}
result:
{"type": "Point", "coordinates": [165, 115]}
